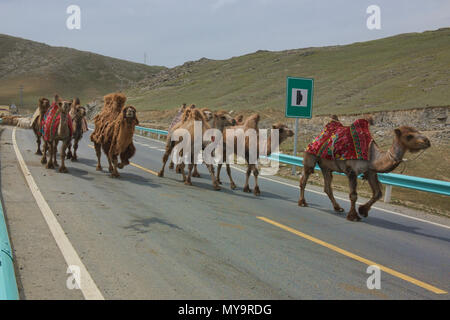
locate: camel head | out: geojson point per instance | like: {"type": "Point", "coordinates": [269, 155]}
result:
{"type": "Point", "coordinates": [239, 119]}
{"type": "Point", "coordinates": [411, 139]}
{"type": "Point", "coordinates": [223, 119]}
{"type": "Point", "coordinates": [129, 114]}
{"type": "Point", "coordinates": [80, 112]}
{"type": "Point", "coordinates": [283, 130]}
{"type": "Point", "coordinates": [64, 106]}
{"type": "Point", "coordinates": [44, 104]}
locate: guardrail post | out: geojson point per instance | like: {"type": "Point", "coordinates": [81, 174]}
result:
{"type": "Point", "coordinates": [387, 193]}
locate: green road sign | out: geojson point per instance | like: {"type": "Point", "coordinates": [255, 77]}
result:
{"type": "Point", "coordinates": [299, 97]}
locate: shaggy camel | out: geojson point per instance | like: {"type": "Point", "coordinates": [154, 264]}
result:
{"type": "Point", "coordinates": [117, 137]}
{"type": "Point", "coordinates": [112, 109]}
{"type": "Point", "coordinates": [191, 115]}
{"type": "Point", "coordinates": [57, 127]}
{"type": "Point", "coordinates": [405, 139]}
{"type": "Point", "coordinates": [252, 123]}
{"type": "Point", "coordinates": [216, 120]}
{"type": "Point", "coordinates": [79, 127]}
{"type": "Point", "coordinates": [38, 116]}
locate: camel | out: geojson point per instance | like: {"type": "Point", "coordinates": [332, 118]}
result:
{"type": "Point", "coordinates": [405, 139]}
{"type": "Point", "coordinates": [57, 127]}
{"type": "Point", "coordinates": [252, 123]}
{"type": "Point", "coordinates": [116, 139]}
{"type": "Point", "coordinates": [112, 109]}
{"type": "Point", "coordinates": [79, 127]}
{"type": "Point", "coordinates": [217, 120]}
{"type": "Point", "coordinates": [38, 116]}
{"type": "Point", "coordinates": [191, 115]}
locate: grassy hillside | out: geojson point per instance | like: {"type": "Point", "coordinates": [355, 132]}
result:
{"type": "Point", "coordinates": [44, 70]}
{"type": "Point", "coordinates": [400, 72]}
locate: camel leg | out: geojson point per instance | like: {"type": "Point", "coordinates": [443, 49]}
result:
{"type": "Point", "coordinates": [256, 191]}
{"type": "Point", "coordinates": [55, 150]}
{"type": "Point", "coordinates": [232, 184]}
{"type": "Point", "coordinates": [113, 163]}
{"type": "Point", "coordinates": [219, 167]}
{"type": "Point", "coordinates": [183, 173]}
{"type": "Point", "coordinates": [353, 183]}
{"type": "Point", "coordinates": [38, 141]}
{"type": "Point", "coordinates": [63, 168]}
{"type": "Point", "coordinates": [195, 173]}
{"type": "Point", "coordinates": [307, 171]}
{"type": "Point", "coordinates": [376, 194]}
{"type": "Point", "coordinates": [188, 179]}
{"type": "Point", "coordinates": [98, 152]}
{"type": "Point", "coordinates": [69, 151]}
{"type": "Point", "coordinates": [75, 148]}
{"type": "Point", "coordinates": [171, 165]}
{"type": "Point", "coordinates": [169, 147]}
{"type": "Point", "coordinates": [213, 177]}
{"type": "Point", "coordinates": [44, 154]}
{"type": "Point", "coordinates": [328, 178]}
{"type": "Point", "coordinates": [50, 164]}
{"type": "Point", "coordinates": [247, 176]}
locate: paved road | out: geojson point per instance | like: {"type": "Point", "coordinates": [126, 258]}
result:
{"type": "Point", "coordinates": [141, 236]}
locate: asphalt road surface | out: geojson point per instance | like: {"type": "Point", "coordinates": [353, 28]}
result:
{"type": "Point", "coordinates": [145, 237]}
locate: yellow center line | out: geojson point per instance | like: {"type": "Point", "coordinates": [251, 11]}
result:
{"type": "Point", "coordinates": [356, 257]}
{"type": "Point", "coordinates": [135, 165]}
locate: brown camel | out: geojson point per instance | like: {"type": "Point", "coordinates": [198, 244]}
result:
{"type": "Point", "coordinates": [62, 133]}
{"type": "Point", "coordinates": [38, 116]}
{"type": "Point", "coordinates": [191, 115]}
{"type": "Point", "coordinates": [405, 139]}
{"type": "Point", "coordinates": [112, 109]}
{"type": "Point", "coordinates": [79, 127]}
{"type": "Point", "coordinates": [252, 123]}
{"type": "Point", "coordinates": [117, 137]}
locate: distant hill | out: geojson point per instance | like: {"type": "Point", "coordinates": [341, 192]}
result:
{"type": "Point", "coordinates": [400, 72]}
{"type": "Point", "coordinates": [44, 70]}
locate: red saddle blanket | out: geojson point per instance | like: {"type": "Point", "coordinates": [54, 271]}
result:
{"type": "Point", "coordinates": [337, 142]}
{"type": "Point", "coordinates": [51, 121]}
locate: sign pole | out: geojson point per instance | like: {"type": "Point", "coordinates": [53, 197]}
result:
{"type": "Point", "coordinates": [295, 144]}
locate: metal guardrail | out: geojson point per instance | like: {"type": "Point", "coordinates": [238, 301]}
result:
{"type": "Point", "coordinates": [8, 285]}
{"type": "Point", "coordinates": [389, 179]}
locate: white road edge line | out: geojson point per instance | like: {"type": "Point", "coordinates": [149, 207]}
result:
{"type": "Point", "coordinates": [88, 287]}
{"type": "Point", "coordinates": [343, 199]}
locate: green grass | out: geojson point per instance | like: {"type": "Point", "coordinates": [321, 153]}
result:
{"type": "Point", "coordinates": [44, 70]}
{"type": "Point", "coordinates": [400, 72]}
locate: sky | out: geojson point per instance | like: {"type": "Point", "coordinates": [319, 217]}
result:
{"type": "Point", "coordinates": [171, 32]}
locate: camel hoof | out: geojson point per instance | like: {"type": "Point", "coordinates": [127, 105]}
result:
{"type": "Point", "coordinates": [74, 159]}
{"type": "Point", "coordinates": [99, 168]}
{"type": "Point", "coordinates": [161, 174]}
{"type": "Point", "coordinates": [363, 211]}
{"type": "Point", "coordinates": [233, 186]}
{"type": "Point", "coordinates": [39, 153]}
{"type": "Point", "coordinates": [50, 166]}
{"type": "Point", "coordinates": [302, 203]}
{"type": "Point", "coordinates": [353, 217]}
{"type": "Point", "coordinates": [256, 191]}
{"type": "Point", "coordinates": [338, 209]}
{"type": "Point", "coordinates": [217, 187]}
{"type": "Point", "coordinates": [63, 170]}
{"type": "Point", "coordinates": [247, 189]}
{"type": "Point", "coordinates": [188, 183]}
{"type": "Point", "coordinates": [120, 165]}
{"type": "Point", "coordinates": [44, 160]}
{"type": "Point", "coordinates": [219, 182]}
{"type": "Point", "coordinates": [196, 175]}
{"type": "Point", "coordinates": [114, 175]}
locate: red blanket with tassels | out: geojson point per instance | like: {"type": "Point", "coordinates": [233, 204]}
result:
{"type": "Point", "coordinates": [51, 122]}
{"type": "Point", "coordinates": [337, 142]}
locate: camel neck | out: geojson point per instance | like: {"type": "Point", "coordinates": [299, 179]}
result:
{"type": "Point", "coordinates": [387, 161]}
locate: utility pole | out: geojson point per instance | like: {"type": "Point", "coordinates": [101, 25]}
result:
{"type": "Point", "coordinates": [145, 57]}
{"type": "Point", "coordinates": [21, 97]}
